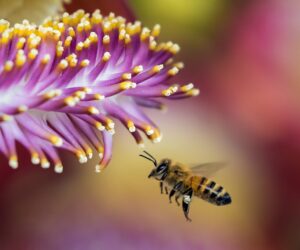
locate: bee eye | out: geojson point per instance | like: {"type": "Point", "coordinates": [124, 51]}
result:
{"type": "Point", "coordinates": [161, 169]}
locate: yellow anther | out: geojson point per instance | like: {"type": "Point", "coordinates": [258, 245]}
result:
{"type": "Point", "coordinates": [111, 16]}
{"type": "Point", "coordinates": [126, 76]}
{"type": "Point", "coordinates": [45, 163]}
{"type": "Point", "coordinates": [70, 101]}
{"type": "Point", "coordinates": [55, 140]}
{"type": "Point", "coordinates": [13, 161]}
{"type": "Point", "coordinates": [168, 45]}
{"type": "Point", "coordinates": [179, 65]}
{"type": "Point", "coordinates": [22, 108]}
{"type": "Point", "coordinates": [81, 156]}
{"type": "Point", "coordinates": [106, 56]}
{"type": "Point", "coordinates": [96, 17]}
{"type": "Point", "coordinates": [153, 45]}
{"type": "Point", "coordinates": [79, 94]}
{"type": "Point", "coordinates": [52, 93]}
{"type": "Point", "coordinates": [63, 64]}
{"type": "Point", "coordinates": [122, 34]}
{"type": "Point", "coordinates": [8, 66]}
{"type": "Point", "coordinates": [106, 39]}
{"type": "Point", "coordinates": [160, 46]}
{"type": "Point", "coordinates": [80, 27]}
{"type": "Point", "coordinates": [170, 61]}
{"type": "Point", "coordinates": [66, 18]}
{"type": "Point", "coordinates": [107, 26]}
{"type": "Point", "coordinates": [89, 152]}
{"type": "Point", "coordinates": [156, 30]}
{"type": "Point", "coordinates": [127, 85]}
{"type": "Point", "coordinates": [110, 124]}
{"type": "Point", "coordinates": [71, 32]}
{"type": "Point", "coordinates": [127, 39]}
{"type": "Point", "coordinates": [73, 62]}
{"type": "Point", "coordinates": [6, 36]}
{"type": "Point", "coordinates": [68, 41]}
{"type": "Point", "coordinates": [170, 91]}
{"type": "Point", "coordinates": [149, 130]}
{"type": "Point", "coordinates": [100, 151]}
{"type": "Point", "coordinates": [85, 63]}
{"type": "Point", "coordinates": [93, 110]}
{"type": "Point", "coordinates": [58, 168]}
{"type": "Point", "coordinates": [157, 68]}
{"type": "Point", "coordinates": [3, 25]}
{"type": "Point", "coordinates": [138, 69]}
{"type": "Point", "coordinates": [34, 41]}
{"type": "Point", "coordinates": [61, 27]}
{"type": "Point", "coordinates": [187, 87]}
{"type": "Point", "coordinates": [35, 159]}
{"type": "Point", "coordinates": [193, 92]}
{"type": "Point", "coordinates": [56, 34]}
{"type": "Point", "coordinates": [99, 126]}
{"type": "Point", "coordinates": [5, 118]}
{"type": "Point", "coordinates": [79, 46]}
{"type": "Point", "coordinates": [33, 54]}
{"type": "Point", "coordinates": [20, 43]}
{"type": "Point", "coordinates": [173, 71]}
{"type": "Point", "coordinates": [93, 37]}
{"type": "Point", "coordinates": [87, 90]}
{"type": "Point", "coordinates": [131, 126]}
{"type": "Point", "coordinates": [59, 50]}
{"type": "Point", "coordinates": [20, 58]}
{"type": "Point", "coordinates": [99, 97]}
{"type": "Point", "coordinates": [156, 137]}
{"type": "Point", "coordinates": [166, 92]}
{"type": "Point", "coordinates": [46, 59]}
{"type": "Point", "coordinates": [87, 43]}
{"type": "Point", "coordinates": [145, 34]}
{"type": "Point", "coordinates": [174, 49]}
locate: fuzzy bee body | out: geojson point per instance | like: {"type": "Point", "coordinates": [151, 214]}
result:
{"type": "Point", "coordinates": [202, 187]}
{"type": "Point", "coordinates": [186, 182]}
{"type": "Point", "coordinates": [209, 190]}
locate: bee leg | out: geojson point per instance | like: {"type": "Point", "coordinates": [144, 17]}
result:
{"type": "Point", "coordinates": [176, 199]}
{"type": "Point", "coordinates": [161, 185]}
{"type": "Point", "coordinates": [174, 190]}
{"type": "Point", "coordinates": [186, 200]}
{"type": "Point", "coordinates": [166, 190]}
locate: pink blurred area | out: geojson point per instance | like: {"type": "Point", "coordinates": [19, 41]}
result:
{"type": "Point", "coordinates": [244, 57]}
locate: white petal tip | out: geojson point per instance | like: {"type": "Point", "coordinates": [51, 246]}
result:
{"type": "Point", "coordinates": [58, 169]}
{"type": "Point", "coordinates": [98, 168]}
{"type": "Point", "coordinates": [13, 164]}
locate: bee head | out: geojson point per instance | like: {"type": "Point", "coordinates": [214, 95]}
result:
{"type": "Point", "coordinates": [161, 170]}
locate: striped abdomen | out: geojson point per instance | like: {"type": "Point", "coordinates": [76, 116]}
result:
{"type": "Point", "coordinates": [208, 190]}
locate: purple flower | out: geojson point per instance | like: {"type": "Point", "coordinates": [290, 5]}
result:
{"type": "Point", "coordinates": [63, 81]}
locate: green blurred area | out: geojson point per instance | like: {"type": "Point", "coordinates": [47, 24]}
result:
{"type": "Point", "coordinates": [194, 24]}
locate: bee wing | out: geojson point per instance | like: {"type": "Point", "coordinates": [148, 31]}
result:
{"type": "Point", "coordinates": [208, 169]}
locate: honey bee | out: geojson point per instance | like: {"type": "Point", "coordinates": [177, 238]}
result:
{"type": "Point", "coordinates": [186, 182]}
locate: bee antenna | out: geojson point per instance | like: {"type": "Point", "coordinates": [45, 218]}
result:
{"type": "Point", "coordinates": [150, 159]}
{"type": "Point", "coordinates": [149, 155]}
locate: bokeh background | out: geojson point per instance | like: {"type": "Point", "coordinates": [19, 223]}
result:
{"type": "Point", "coordinates": [244, 56]}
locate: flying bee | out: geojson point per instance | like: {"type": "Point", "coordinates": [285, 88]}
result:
{"type": "Point", "coordinates": [186, 182]}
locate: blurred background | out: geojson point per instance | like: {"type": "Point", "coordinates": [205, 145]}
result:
{"type": "Point", "coordinates": [244, 56]}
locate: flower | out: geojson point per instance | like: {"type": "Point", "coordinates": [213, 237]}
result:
{"type": "Point", "coordinates": [36, 10]}
{"type": "Point", "coordinates": [62, 81]}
